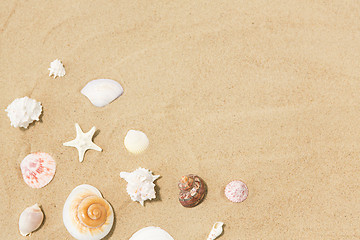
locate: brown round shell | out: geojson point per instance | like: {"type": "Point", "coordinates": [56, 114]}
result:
{"type": "Point", "coordinates": [192, 190]}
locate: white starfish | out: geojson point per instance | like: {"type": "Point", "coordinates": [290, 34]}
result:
{"type": "Point", "coordinates": [83, 141]}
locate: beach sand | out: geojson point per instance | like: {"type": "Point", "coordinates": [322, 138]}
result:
{"type": "Point", "coordinates": [266, 92]}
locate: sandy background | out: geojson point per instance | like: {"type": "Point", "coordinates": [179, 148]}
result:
{"type": "Point", "coordinates": [263, 91]}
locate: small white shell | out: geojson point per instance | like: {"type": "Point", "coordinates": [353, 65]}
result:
{"type": "Point", "coordinates": [101, 92]}
{"type": "Point", "coordinates": [136, 142]}
{"type": "Point", "coordinates": [216, 231]}
{"type": "Point", "coordinates": [151, 233]}
{"type": "Point", "coordinates": [30, 219]}
{"type": "Point", "coordinates": [56, 69]}
{"type": "Point", "coordinates": [86, 214]}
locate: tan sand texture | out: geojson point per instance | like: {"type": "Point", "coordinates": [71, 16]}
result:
{"type": "Point", "coordinates": [266, 92]}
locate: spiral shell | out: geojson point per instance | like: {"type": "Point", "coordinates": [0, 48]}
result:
{"type": "Point", "coordinates": [216, 231]}
{"type": "Point", "coordinates": [86, 214]}
{"type": "Point", "coordinates": [192, 190]}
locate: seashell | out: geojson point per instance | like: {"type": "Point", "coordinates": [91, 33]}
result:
{"type": "Point", "coordinates": [30, 219]}
{"type": "Point", "coordinates": [192, 190]}
{"type": "Point", "coordinates": [86, 214]}
{"type": "Point", "coordinates": [38, 169]}
{"type": "Point", "coordinates": [23, 111]}
{"type": "Point", "coordinates": [56, 69]}
{"type": "Point", "coordinates": [140, 185]}
{"type": "Point", "coordinates": [236, 191]}
{"type": "Point", "coordinates": [136, 142]}
{"type": "Point", "coordinates": [101, 92]}
{"type": "Point", "coordinates": [151, 233]}
{"type": "Point", "coordinates": [216, 231]}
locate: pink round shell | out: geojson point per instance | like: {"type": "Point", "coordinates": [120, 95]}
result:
{"type": "Point", "coordinates": [236, 191]}
{"type": "Point", "coordinates": [38, 169]}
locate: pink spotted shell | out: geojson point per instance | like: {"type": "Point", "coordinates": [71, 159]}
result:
{"type": "Point", "coordinates": [38, 169]}
{"type": "Point", "coordinates": [236, 191]}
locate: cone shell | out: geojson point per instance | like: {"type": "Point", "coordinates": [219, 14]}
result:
{"type": "Point", "coordinates": [101, 92]}
{"type": "Point", "coordinates": [216, 231]}
{"type": "Point", "coordinates": [86, 214]}
{"type": "Point", "coordinates": [192, 190]}
{"type": "Point", "coordinates": [30, 219]}
{"type": "Point", "coordinates": [38, 169]}
{"type": "Point", "coordinates": [236, 191]}
{"type": "Point", "coordinates": [151, 233]}
{"type": "Point", "coordinates": [136, 142]}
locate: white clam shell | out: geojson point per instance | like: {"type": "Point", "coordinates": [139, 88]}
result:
{"type": "Point", "coordinates": [71, 215]}
{"type": "Point", "coordinates": [30, 219]}
{"type": "Point", "coordinates": [151, 233]}
{"type": "Point", "coordinates": [216, 231]}
{"type": "Point", "coordinates": [136, 141]}
{"type": "Point", "coordinates": [101, 92]}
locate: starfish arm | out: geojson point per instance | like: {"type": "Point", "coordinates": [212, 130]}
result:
{"type": "Point", "coordinates": [72, 143]}
{"type": "Point", "coordinates": [79, 132]}
{"type": "Point", "coordinates": [93, 146]}
{"type": "Point", "coordinates": [91, 132]}
{"type": "Point", "coordinates": [81, 154]}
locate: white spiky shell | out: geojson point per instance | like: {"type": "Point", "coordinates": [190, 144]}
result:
{"type": "Point", "coordinates": [140, 185]}
{"type": "Point", "coordinates": [151, 233]}
{"type": "Point", "coordinates": [70, 215]}
{"type": "Point", "coordinates": [23, 111]}
{"type": "Point", "coordinates": [56, 69]}
{"type": "Point", "coordinates": [101, 92]}
{"type": "Point", "coordinates": [136, 141]}
{"type": "Point", "coordinates": [30, 219]}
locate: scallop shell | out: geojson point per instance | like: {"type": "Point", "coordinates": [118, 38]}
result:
{"type": "Point", "coordinates": [101, 92]}
{"type": "Point", "coordinates": [236, 191]}
{"type": "Point", "coordinates": [38, 169]}
{"type": "Point", "coordinates": [216, 231]}
{"type": "Point", "coordinates": [192, 190]}
{"type": "Point", "coordinates": [86, 214]}
{"type": "Point", "coordinates": [30, 219]}
{"type": "Point", "coordinates": [136, 142]}
{"type": "Point", "coordinates": [151, 233]}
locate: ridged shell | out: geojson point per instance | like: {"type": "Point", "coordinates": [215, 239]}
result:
{"type": "Point", "coordinates": [136, 142]}
{"type": "Point", "coordinates": [151, 233]}
{"type": "Point", "coordinates": [236, 191]}
{"type": "Point", "coordinates": [30, 219]}
{"type": "Point", "coordinates": [192, 190]}
{"type": "Point", "coordinates": [86, 214]}
{"type": "Point", "coordinates": [101, 92]}
{"type": "Point", "coordinates": [38, 169]}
